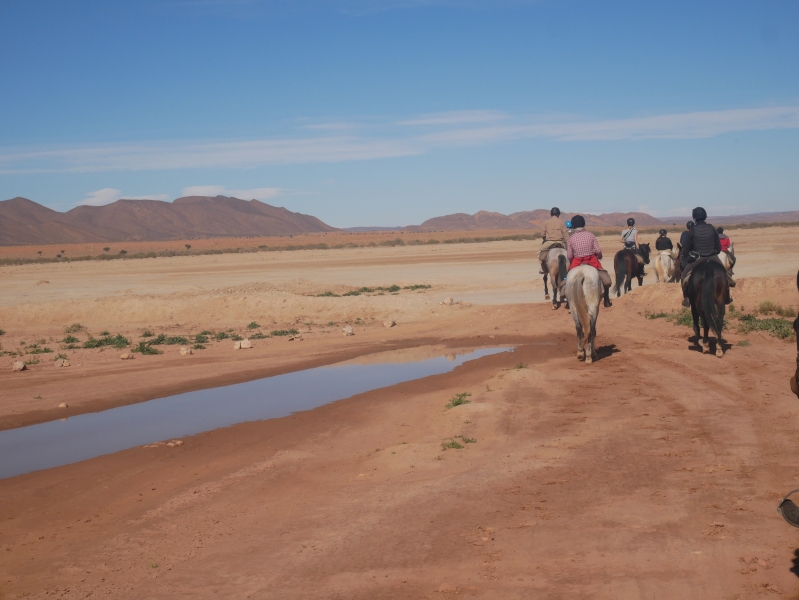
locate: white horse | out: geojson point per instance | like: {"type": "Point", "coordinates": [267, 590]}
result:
{"type": "Point", "coordinates": [584, 290]}
{"type": "Point", "coordinates": [665, 266]}
{"type": "Point", "coordinates": [557, 267]}
{"type": "Point", "coordinates": [725, 258]}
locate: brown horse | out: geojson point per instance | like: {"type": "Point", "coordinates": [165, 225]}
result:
{"type": "Point", "coordinates": [557, 269]}
{"type": "Point", "coordinates": [627, 266]}
{"type": "Point", "coordinates": [795, 378]}
{"type": "Point", "coordinates": [707, 291]}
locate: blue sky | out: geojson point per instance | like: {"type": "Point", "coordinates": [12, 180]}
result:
{"type": "Point", "coordinates": [388, 112]}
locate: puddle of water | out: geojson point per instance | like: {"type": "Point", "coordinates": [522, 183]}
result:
{"type": "Point", "coordinates": [63, 442]}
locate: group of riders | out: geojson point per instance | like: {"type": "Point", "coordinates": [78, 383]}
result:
{"type": "Point", "coordinates": [698, 243]}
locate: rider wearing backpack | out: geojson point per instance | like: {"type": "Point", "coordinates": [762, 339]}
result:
{"type": "Point", "coordinates": [726, 245]}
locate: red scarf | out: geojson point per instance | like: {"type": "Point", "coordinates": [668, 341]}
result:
{"type": "Point", "coordinates": [586, 260]}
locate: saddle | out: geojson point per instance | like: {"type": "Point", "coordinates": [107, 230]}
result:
{"type": "Point", "coordinates": [542, 256]}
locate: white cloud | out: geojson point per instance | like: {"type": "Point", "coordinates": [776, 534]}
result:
{"type": "Point", "coordinates": [100, 197]}
{"type": "Point", "coordinates": [109, 195]}
{"type": "Point", "coordinates": [391, 140]}
{"type": "Point", "coordinates": [457, 117]}
{"type": "Point", "coordinates": [263, 193]}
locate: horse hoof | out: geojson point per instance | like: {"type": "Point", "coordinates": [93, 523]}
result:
{"type": "Point", "coordinates": [580, 356]}
{"type": "Point", "coordinates": [546, 297]}
{"type": "Point", "coordinates": [554, 306]}
{"type": "Point", "coordinates": [719, 351]}
{"type": "Point", "coordinates": [588, 360]}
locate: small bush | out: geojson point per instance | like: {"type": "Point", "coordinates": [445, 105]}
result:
{"type": "Point", "coordinates": [284, 332]}
{"type": "Point", "coordinates": [70, 339]}
{"type": "Point", "coordinates": [221, 336]}
{"type": "Point", "coordinates": [114, 341]}
{"type": "Point", "coordinates": [258, 336]}
{"type": "Point", "coordinates": [205, 332]}
{"type": "Point", "coordinates": [683, 318]}
{"type": "Point", "coordinates": [32, 361]}
{"type": "Point", "coordinates": [328, 294]}
{"type": "Point", "coordinates": [201, 338]}
{"type": "Point", "coordinates": [175, 340]}
{"type": "Point", "coordinates": [417, 287]}
{"type": "Point", "coordinates": [198, 347]}
{"type": "Point", "coordinates": [352, 293]}
{"type": "Point", "coordinates": [451, 444]}
{"type": "Point", "coordinates": [104, 333]}
{"type": "Point", "coordinates": [467, 440]}
{"type": "Point", "coordinates": [459, 399]}
{"type": "Point", "coordinates": [236, 338]}
{"type": "Point", "coordinates": [768, 307]}
{"type": "Point", "coordinates": [743, 343]}
{"type": "Point", "coordinates": [146, 348]}
{"type": "Point", "coordinates": [147, 333]}
{"type": "Point", "coordinates": [74, 328]}
{"type": "Point", "coordinates": [253, 325]}
{"type": "Point", "coordinates": [60, 356]}
{"type": "Point", "coordinates": [37, 350]}
{"type": "Point", "coordinates": [521, 365]}
{"type": "Point", "coordinates": [658, 315]}
{"type": "Point", "coordinates": [779, 328]}
{"type": "Point", "coordinates": [2, 332]}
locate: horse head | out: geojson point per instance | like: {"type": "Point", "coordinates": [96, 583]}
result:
{"type": "Point", "coordinates": [644, 250]}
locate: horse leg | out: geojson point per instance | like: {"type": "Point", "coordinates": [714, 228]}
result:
{"type": "Point", "coordinates": [555, 301]}
{"type": "Point", "coordinates": [580, 349]}
{"type": "Point", "coordinates": [546, 289]}
{"type": "Point", "coordinates": [720, 307]}
{"type": "Point", "coordinates": [590, 352]}
{"type": "Point", "coordinates": [705, 339]}
{"type": "Point", "coordinates": [695, 315]}
{"type": "Point", "coordinates": [607, 302]}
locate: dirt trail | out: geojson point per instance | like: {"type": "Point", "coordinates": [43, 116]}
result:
{"type": "Point", "coordinates": [653, 473]}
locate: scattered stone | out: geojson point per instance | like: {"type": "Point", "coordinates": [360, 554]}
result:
{"type": "Point", "coordinates": [62, 362]}
{"type": "Point", "coordinates": [126, 356]}
{"type": "Point", "coordinates": [448, 302]}
{"type": "Point", "coordinates": [185, 350]}
{"type": "Point", "coordinates": [63, 405]}
{"type": "Point", "coordinates": [19, 366]}
{"type": "Point", "coordinates": [389, 323]}
{"type": "Point", "coordinates": [242, 345]}
{"type": "Point", "coordinates": [348, 330]}
{"type": "Point", "coordinates": [174, 443]}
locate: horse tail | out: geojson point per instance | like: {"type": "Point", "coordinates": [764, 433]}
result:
{"type": "Point", "coordinates": [710, 310]}
{"type": "Point", "coordinates": [563, 268]}
{"type": "Point", "coordinates": [579, 304]}
{"type": "Point", "coordinates": [621, 272]}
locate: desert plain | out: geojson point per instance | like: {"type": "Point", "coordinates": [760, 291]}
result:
{"type": "Point", "coordinates": [653, 473]}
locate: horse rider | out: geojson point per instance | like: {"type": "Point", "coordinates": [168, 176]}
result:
{"type": "Point", "coordinates": [664, 244]}
{"type": "Point", "coordinates": [701, 243]}
{"type": "Point", "coordinates": [554, 234]}
{"type": "Point", "coordinates": [629, 237]}
{"type": "Point", "coordinates": [583, 249]}
{"type": "Point", "coordinates": [726, 245]}
{"type": "Point", "coordinates": [688, 227]}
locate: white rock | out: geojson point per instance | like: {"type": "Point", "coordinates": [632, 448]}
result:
{"type": "Point", "coordinates": [63, 405]}
{"type": "Point", "coordinates": [448, 302]}
{"type": "Point", "coordinates": [348, 330]}
{"type": "Point", "coordinates": [185, 350]}
{"type": "Point", "coordinates": [62, 362]}
{"type": "Point", "coordinates": [241, 345]}
{"type": "Point", "coordinates": [126, 356]}
{"type": "Point", "coordinates": [389, 323]}
{"type": "Point", "coordinates": [19, 366]}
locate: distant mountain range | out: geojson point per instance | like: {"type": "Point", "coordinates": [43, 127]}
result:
{"type": "Point", "coordinates": [23, 221]}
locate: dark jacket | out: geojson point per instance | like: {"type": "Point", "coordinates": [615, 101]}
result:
{"type": "Point", "coordinates": [684, 237]}
{"type": "Point", "coordinates": [702, 239]}
{"type": "Point", "coordinates": [664, 243]}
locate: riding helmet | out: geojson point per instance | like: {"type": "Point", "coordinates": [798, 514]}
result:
{"type": "Point", "coordinates": [719, 230]}
{"type": "Point", "coordinates": [689, 225]}
{"type": "Point", "coordinates": [663, 232]}
{"type": "Point", "coordinates": [578, 221]}
{"type": "Point", "coordinates": [699, 214]}
{"type": "Point", "coordinates": [555, 212]}
{"type": "Point", "coordinates": [630, 221]}
{"type": "Point", "coordinates": [568, 224]}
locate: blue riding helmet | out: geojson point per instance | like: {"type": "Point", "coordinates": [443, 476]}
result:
{"type": "Point", "coordinates": [568, 224]}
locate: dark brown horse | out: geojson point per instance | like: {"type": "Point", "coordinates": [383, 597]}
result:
{"type": "Point", "coordinates": [707, 291]}
{"type": "Point", "coordinates": [795, 378]}
{"type": "Point", "coordinates": [627, 266]}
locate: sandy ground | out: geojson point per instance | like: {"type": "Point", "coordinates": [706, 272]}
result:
{"type": "Point", "coordinates": [653, 473]}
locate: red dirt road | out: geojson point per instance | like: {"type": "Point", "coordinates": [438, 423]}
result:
{"type": "Point", "coordinates": [654, 473]}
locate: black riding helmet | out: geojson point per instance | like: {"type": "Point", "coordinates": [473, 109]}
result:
{"type": "Point", "coordinates": [555, 212]}
{"type": "Point", "coordinates": [578, 221]}
{"type": "Point", "coordinates": [699, 214]}
{"type": "Point", "coordinates": [630, 221]}
{"type": "Point", "coordinates": [663, 232]}
{"type": "Point", "coordinates": [689, 225]}
{"type": "Point", "coordinates": [719, 230]}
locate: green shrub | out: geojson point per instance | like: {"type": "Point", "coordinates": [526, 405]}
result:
{"type": "Point", "coordinates": [205, 332]}
{"type": "Point", "coordinates": [458, 399]}
{"type": "Point", "coordinates": [743, 343]}
{"type": "Point", "coordinates": [201, 338]}
{"type": "Point", "coordinates": [104, 333]}
{"type": "Point", "coordinates": [74, 328]}
{"type": "Point", "coordinates": [659, 315]}
{"type": "Point", "coordinates": [253, 325]}
{"type": "Point", "coordinates": [175, 340]}
{"type": "Point", "coordinates": [284, 332]}
{"type": "Point", "coordinates": [60, 356]}
{"type": "Point", "coordinates": [70, 339]}
{"type": "Point", "coordinates": [236, 338]}
{"type": "Point", "coordinates": [198, 347]}
{"type": "Point", "coordinates": [779, 328]}
{"type": "Point", "coordinates": [37, 350]}
{"type": "Point", "coordinates": [327, 294]}
{"type": "Point", "coordinates": [147, 333]}
{"type": "Point", "coordinates": [258, 336]}
{"type": "Point", "coordinates": [114, 341]}
{"type": "Point", "coordinates": [417, 287]}
{"type": "Point", "coordinates": [221, 336]}
{"type": "Point", "coordinates": [451, 444]}
{"type": "Point", "coordinates": [2, 332]}
{"type": "Point", "coordinates": [146, 348]}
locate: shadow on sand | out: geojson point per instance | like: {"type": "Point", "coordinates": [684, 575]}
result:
{"type": "Point", "coordinates": [606, 351]}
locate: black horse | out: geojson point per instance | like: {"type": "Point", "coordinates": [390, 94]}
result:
{"type": "Point", "coordinates": [795, 378]}
{"type": "Point", "coordinates": [627, 266]}
{"type": "Point", "coordinates": [707, 290]}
